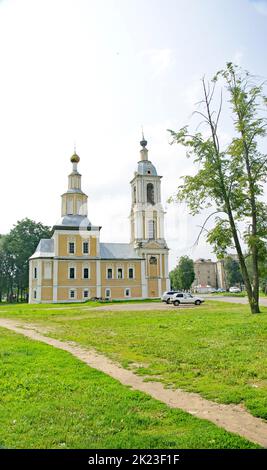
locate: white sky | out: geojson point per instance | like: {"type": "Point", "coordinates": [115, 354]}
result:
{"type": "Point", "coordinates": [93, 71]}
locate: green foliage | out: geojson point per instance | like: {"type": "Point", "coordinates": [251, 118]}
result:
{"type": "Point", "coordinates": [50, 400]}
{"type": "Point", "coordinates": [232, 271]}
{"type": "Point", "coordinates": [183, 275]}
{"type": "Point", "coordinates": [15, 250]}
{"type": "Point", "coordinates": [174, 278]}
{"type": "Point", "coordinates": [230, 178]}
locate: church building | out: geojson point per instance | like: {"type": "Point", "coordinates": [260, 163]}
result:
{"type": "Point", "coordinates": [74, 266]}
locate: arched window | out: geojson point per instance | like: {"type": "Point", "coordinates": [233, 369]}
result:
{"type": "Point", "coordinates": [150, 193]}
{"type": "Point", "coordinates": [151, 229]}
{"type": "Point", "coordinates": [134, 195]}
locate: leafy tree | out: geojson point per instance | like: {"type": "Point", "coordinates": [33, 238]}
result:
{"type": "Point", "coordinates": [186, 272]}
{"type": "Point", "coordinates": [183, 275]}
{"type": "Point", "coordinates": [232, 271]}
{"type": "Point", "coordinates": [19, 245]}
{"type": "Point", "coordinates": [230, 177]}
{"type": "Point", "coordinates": [174, 278]}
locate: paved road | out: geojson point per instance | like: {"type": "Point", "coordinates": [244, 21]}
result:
{"type": "Point", "coordinates": [235, 300]}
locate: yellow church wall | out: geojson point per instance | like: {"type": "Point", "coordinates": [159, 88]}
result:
{"type": "Point", "coordinates": [63, 267]}
{"type": "Point", "coordinates": [153, 270]}
{"type": "Point", "coordinates": [47, 293]}
{"type": "Point", "coordinates": [93, 246]}
{"type": "Point", "coordinates": [78, 239]}
{"type": "Point", "coordinates": [118, 292]}
{"type": "Point", "coordinates": [63, 293]}
{"type": "Point", "coordinates": [125, 282]}
{"type": "Point", "coordinates": [163, 285]}
{"type": "Point", "coordinates": [152, 288]}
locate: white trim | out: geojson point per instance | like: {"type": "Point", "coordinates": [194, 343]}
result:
{"type": "Point", "coordinates": [88, 242]}
{"type": "Point", "coordinates": [73, 289]}
{"type": "Point", "coordinates": [55, 280]}
{"type": "Point", "coordinates": [128, 269]}
{"type": "Point", "coordinates": [71, 240]}
{"type": "Point", "coordinates": [144, 279]}
{"type": "Point", "coordinates": [75, 272]}
{"type": "Point", "coordinates": [122, 272]}
{"type": "Point", "coordinates": [98, 279]}
{"type": "Point", "coordinates": [127, 296]}
{"type": "Point", "coordinates": [39, 284]}
{"type": "Point", "coordinates": [80, 232]}
{"type": "Point", "coordinates": [159, 288]}
{"type": "Point", "coordinates": [86, 266]}
{"type": "Point", "coordinates": [88, 291]}
{"type": "Point", "coordinates": [30, 282]}
{"type": "Point", "coordinates": [107, 268]}
{"type": "Point", "coordinates": [108, 289]}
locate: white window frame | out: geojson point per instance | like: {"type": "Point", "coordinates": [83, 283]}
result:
{"type": "Point", "coordinates": [74, 243]}
{"type": "Point", "coordinates": [35, 272]}
{"type": "Point", "coordinates": [112, 272]}
{"type": "Point", "coordinates": [131, 267]}
{"type": "Point", "coordinates": [108, 296]}
{"type": "Point", "coordinates": [127, 296]}
{"type": "Point", "coordinates": [88, 242]}
{"type": "Point", "coordinates": [35, 294]}
{"type": "Point", "coordinates": [122, 272]}
{"type": "Point", "coordinates": [83, 268]}
{"type": "Point", "coordinates": [75, 294]}
{"type": "Point", "coordinates": [69, 268]}
{"type": "Point", "coordinates": [88, 293]}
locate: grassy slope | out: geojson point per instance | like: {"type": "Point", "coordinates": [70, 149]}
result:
{"type": "Point", "coordinates": [49, 399]}
{"type": "Point", "coordinates": [218, 350]}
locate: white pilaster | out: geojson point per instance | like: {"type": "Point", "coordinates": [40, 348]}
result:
{"type": "Point", "coordinates": [30, 282]}
{"type": "Point", "coordinates": [39, 281]}
{"type": "Point", "coordinates": [98, 279]}
{"type": "Point", "coordinates": [55, 280]}
{"type": "Point", "coordinates": [159, 288]}
{"type": "Point", "coordinates": [144, 279]}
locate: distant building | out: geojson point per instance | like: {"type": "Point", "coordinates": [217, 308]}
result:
{"type": "Point", "coordinates": [210, 274]}
{"type": "Point", "coordinates": [205, 275]}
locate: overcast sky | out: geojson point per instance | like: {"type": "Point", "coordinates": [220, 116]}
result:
{"type": "Point", "coordinates": [92, 72]}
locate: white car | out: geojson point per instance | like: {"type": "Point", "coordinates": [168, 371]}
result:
{"type": "Point", "coordinates": [185, 298]}
{"type": "Point", "coordinates": [166, 296]}
{"type": "Point", "coordinates": [234, 290]}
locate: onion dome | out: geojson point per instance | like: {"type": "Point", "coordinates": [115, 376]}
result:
{"type": "Point", "coordinates": [75, 158]}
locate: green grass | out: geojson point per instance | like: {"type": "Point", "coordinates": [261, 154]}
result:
{"type": "Point", "coordinates": [49, 399]}
{"type": "Point", "coordinates": [218, 350]}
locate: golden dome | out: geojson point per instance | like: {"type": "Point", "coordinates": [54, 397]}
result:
{"type": "Point", "coordinates": [75, 158]}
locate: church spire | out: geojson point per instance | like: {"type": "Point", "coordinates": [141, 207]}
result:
{"type": "Point", "coordinates": [74, 201]}
{"type": "Point", "coordinates": [144, 150]}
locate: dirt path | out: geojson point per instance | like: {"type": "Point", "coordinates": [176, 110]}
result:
{"type": "Point", "coordinates": [233, 418]}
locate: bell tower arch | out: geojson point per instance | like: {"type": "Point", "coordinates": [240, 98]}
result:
{"type": "Point", "coordinates": [147, 223]}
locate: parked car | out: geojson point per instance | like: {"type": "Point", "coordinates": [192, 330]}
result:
{"type": "Point", "coordinates": [221, 290]}
{"type": "Point", "coordinates": [185, 298]}
{"type": "Point", "coordinates": [234, 290]}
{"type": "Point", "coordinates": [166, 296]}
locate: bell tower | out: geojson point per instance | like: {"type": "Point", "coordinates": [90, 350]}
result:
{"type": "Point", "coordinates": [74, 201]}
{"type": "Point", "coordinates": [147, 223]}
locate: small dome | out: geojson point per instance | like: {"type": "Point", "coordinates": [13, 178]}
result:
{"type": "Point", "coordinates": [145, 167]}
{"type": "Point", "coordinates": [75, 158]}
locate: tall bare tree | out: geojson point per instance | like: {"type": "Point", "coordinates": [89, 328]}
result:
{"type": "Point", "coordinates": [231, 178]}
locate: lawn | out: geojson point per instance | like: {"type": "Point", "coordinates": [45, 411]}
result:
{"type": "Point", "coordinates": [49, 399]}
{"type": "Point", "coordinates": [218, 350]}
